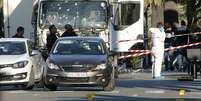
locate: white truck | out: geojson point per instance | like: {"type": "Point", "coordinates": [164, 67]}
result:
{"type": "Point", "coordinates": [118, 22]}
{"type": "Point", "coordinates": [18, 13]}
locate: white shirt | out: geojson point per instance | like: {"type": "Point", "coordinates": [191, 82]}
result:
{"type": "Point", "coordinates": [158, 37]}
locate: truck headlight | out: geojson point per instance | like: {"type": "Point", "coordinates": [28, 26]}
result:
{"type": "Point", "coordinates": [101, 67]}
{"type": "Point", "coordinates": [20, 64]}
{"type": "Point", "coordinates": [52, 66]}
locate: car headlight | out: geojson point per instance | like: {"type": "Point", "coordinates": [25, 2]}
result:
{"type": "Point", "coordinates": [101, 67]}
{"type": "Point", "coordinates": [20, 64]}
{"type": "Point", "coordinates": [52, 66]}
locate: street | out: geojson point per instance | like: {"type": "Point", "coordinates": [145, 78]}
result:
{"type": "Point", "coordinates": [129, 87]}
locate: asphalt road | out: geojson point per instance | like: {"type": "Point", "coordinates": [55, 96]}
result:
{"type": "Point", "coordinates": [129, 87]}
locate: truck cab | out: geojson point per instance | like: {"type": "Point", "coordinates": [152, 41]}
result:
{"type": "Point", "coordinates": [118, 22]}
{"type": "Point", "coordinates": [126, 28]}
{"type": "Point", "coordinates": [88, 17]}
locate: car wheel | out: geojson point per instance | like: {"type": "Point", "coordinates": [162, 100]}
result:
{"type": "Point", "coordinates": [111, 83]}
{"type": "Point", "coordinates": [51, 87]}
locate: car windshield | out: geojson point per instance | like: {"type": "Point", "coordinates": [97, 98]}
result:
{"type": "Point", "coordinates": [12, 48]}
{"type": "Point", "coordinates": [76, 13]}
{"type": "Point", "coordinates": [79, 47]}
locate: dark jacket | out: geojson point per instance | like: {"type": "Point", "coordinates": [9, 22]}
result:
{"type": "Point", "coordinates": [67, 34]}
{"type": "Point", "coordinates": [50, 41]}
{"type": "Point", "coordinates": [17, 36]}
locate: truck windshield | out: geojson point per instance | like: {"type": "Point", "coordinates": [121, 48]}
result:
{"type": "Point", "coordinates": [77, 13]}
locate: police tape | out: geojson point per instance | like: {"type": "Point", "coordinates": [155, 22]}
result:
{"type": "Point", "coordinates": [137, 51]}
{"type": "Point", "coordinates": [146, 52]}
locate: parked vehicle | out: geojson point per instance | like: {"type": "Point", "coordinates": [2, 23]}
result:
{"type": "Point", "coordinates": [20, 64]}
{"type": "Point", "coordinates": [79, 61]}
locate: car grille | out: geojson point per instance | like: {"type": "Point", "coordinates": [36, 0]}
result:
{"type": "Point", "coordinates": [6, 78]}
{"type": "Point", "coordinates": [2, 66]}
{"type": "Point", "coordinates": [74, 79]}
{"type": "Point", "coordinates": [6, 65]}
{"type": "Point", "coordinates": [80, 68]}
{"type": "Point", "coordinates": [77, 69]}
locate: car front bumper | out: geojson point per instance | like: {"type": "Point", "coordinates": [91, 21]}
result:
{"type": "Point", "coordinates": [11, 76]}
{"type": "Point", "coordinates": [19, 78]}
{"type": "Point", "coordinates": [73, 78]}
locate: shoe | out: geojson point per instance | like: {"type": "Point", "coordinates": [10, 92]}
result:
{"type": "Point", "coordinates": [159, 78]}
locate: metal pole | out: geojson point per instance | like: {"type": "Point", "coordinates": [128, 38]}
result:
{"type": "Point", "coordinates": [146, 36]}
{"type": "Point", "coordinates": [8, 19]}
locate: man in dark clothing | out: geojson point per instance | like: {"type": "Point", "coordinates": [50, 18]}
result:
{"type": "Point", "coordinates": [69, 31]}
{"type": "Point", "coordinates": [52, 37]}
{"type": "Point", "coordinates": [20, 32]}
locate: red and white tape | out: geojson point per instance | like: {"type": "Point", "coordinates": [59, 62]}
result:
{"type": "Point", "coordinates": [145, 52]}
{"type": "Point", "coordinates": [137, 51]}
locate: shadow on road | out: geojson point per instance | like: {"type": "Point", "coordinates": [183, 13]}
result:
{"type": "Point", "coordinates": [161, 84]}
{"type": "Point", "coordinates": [101, 97]}
{"type": "Point", "coordinates": [61, 88]}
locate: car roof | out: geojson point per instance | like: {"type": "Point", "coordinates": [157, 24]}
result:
{"type": "Point", "coordinates": [14, 39]}
{"type": "Point", "coordinates": [81, 38]}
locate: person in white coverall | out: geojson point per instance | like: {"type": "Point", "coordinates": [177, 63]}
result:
{"type": "Point", "coordinates": [158, 38]}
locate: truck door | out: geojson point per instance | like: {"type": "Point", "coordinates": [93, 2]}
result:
{"type": "Point", "coordinates": [127, 24]}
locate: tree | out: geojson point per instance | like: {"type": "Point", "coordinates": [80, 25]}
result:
{"type": "Point", "coordinates": [157, 9]}
{"type": "Point", "coordinates": [193, 11]}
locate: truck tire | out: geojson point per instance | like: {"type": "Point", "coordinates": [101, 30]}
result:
{"type": "Point", "coordinates": [116, 74]}
{"type": "Point", "coordinates": [111, 82]}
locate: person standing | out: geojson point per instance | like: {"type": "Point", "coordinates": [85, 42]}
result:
{"type": "Point", "coordinates": [51, 38]}
{"type": "Point", "coordinates": [158, 38]}
{"type": "Point", "coordinates": [68, 31]}
{"type": "Point", "coordinates": [20, 32]}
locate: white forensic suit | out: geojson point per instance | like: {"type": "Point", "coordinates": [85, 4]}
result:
{"type": "Point", "coordinates": [158, 38]}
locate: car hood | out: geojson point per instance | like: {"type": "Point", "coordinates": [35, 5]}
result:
{"type": "Point", "coordinates": [10, 59]}
{"type": "Point", "coordinates": [77, 59]}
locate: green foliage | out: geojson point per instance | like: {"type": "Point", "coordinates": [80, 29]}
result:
{"type": "Point", "coordinates": [193, 11]}
{"type": "Point", "coordinates": [135, 62]}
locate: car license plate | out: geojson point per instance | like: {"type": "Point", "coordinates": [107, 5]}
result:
{"type": "Point", "coordinates": [79, 74]}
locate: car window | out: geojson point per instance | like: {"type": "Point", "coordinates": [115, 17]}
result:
{"type": "Point", "coordinates": [81, 47]}
{"type": "Point", "coordinates": [12, 48]}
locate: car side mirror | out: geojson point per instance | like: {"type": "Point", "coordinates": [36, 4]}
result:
{"type": "Point", "coordinates": [35, 52]}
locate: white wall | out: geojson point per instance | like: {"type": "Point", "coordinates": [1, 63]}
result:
{"type": "Point", "coordinates": [19, 13]}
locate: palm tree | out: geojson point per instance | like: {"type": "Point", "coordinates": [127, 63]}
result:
{"type": "Point", "coordinates": [157, 9]}
{"type": "Point", "coordinates": [193, 11]}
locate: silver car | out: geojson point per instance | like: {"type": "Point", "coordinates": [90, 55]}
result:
{"type": "Point", "coordinates": [79, 61]}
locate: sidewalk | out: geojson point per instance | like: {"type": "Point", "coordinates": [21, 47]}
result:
{"type": "Point", "coordinates": [143, 79]}
{"type": "Point", "coordinates": [147, 75]}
